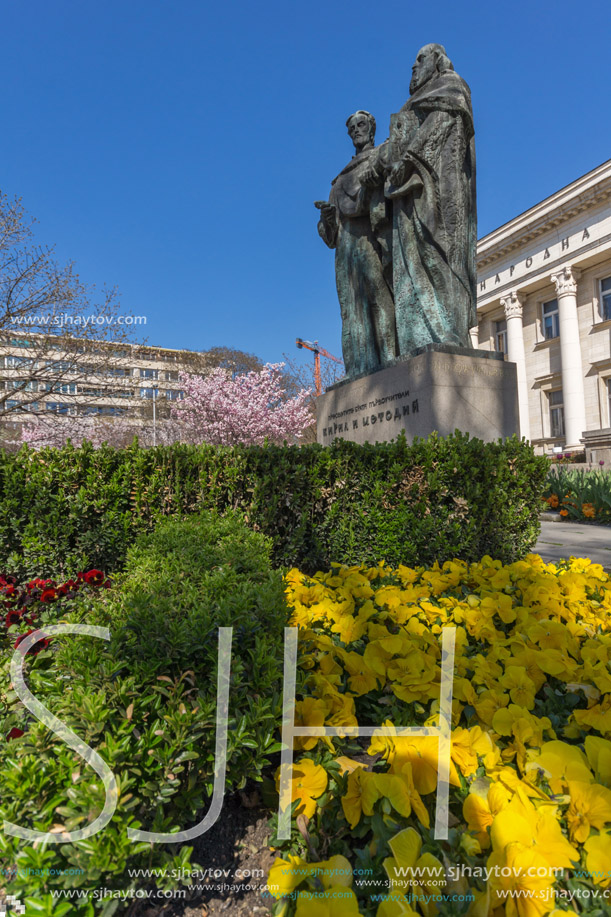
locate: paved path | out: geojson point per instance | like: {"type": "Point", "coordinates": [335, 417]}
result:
{"type": "Point", "coordinates": [563, 539]}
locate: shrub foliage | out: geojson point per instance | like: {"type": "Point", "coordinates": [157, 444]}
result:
{"type": "Point", "coordinates": [146, 702]}
{"type": "Point", "coordinates": [435, 499]}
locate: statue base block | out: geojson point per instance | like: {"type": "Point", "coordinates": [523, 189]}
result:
{"type": "Point", "coordinates": [440, 387]}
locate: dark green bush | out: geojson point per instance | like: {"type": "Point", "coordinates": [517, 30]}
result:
{"type": "Point", "coordinates": [433, 500]}
{"type": "Point", "coordinates": [146, 701]}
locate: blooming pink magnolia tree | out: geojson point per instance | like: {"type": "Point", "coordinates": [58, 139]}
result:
{"type": "Point", "coordinates": [248, 408]}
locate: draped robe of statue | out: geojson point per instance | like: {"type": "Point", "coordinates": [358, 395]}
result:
{"type": "Point", "coordinates": [361, 238]}
{"type": "Point", "coordinates": [434, 214]}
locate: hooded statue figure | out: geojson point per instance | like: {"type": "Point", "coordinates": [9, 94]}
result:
{"type": "Point", "coordinates": [428, 166]}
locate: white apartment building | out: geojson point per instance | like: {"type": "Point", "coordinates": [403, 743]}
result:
{"type": "Point", "coordinates": [108, 380]}
{"type": "Point", "coordinates": [544, 299]}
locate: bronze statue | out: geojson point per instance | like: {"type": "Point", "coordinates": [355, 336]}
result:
{"type": "Point", "coordinates": [427, 171]}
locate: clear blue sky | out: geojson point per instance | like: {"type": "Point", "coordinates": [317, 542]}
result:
{"type": "Point", "coordinates": [173, 148]}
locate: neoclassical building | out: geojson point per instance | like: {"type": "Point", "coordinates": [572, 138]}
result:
{"type": "Point", "coordinates": [544, 299]}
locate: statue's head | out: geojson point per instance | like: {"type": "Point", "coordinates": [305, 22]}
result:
{"type": "Point", "coordinates": [361, 128]}
{"type": "Point", "coordinates": [431, 60]}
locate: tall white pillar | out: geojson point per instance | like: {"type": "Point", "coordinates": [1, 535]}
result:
{"type": "Point", "coordinates": [474, 335]}
{"type": "Point", "coordinates": [570, 355]}
{"type": "Point", "coordinates": [512, 304]}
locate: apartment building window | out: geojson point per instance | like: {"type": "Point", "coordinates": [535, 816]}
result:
{"type": "Point", "coordinates": [174, 395]}
{"type": "Point", "coordinates": [61, 388]}
{"type": "Point", "coordinates": [60, 407]}
{"type": "Point", "coordinates": [556, 414]}
{"type": "Point", "coordinates": [149, 392]}
{"type": "Point", "coordinates": [171, 375]}
{"type": "Point", "coordinates": [10, 361]}
{"type": "Point", "coordinates": [22, 384]}
{"type": "Point", "coordinates": [605, 298]}
{"type": "Point", "coordinates": [105, 410]}
{"type": "Point", "coordinates": [117, 371]}
{"type": "Point", "coordinates": [149, 373]}
{"type": "Point", "coordinates": [500, 336]}
{"type": "Point", "coordinates": [551, 326]}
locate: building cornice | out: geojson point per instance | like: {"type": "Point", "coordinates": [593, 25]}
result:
{"type": "Point", "coordinates": [584, 194]}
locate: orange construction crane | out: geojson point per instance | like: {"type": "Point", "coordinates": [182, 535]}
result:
{"type": "Point", "coordinates": [318, 353]}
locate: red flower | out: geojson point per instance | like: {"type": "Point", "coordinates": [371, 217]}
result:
{"type": "Point", "coordinates": [48, 595]}
{"type": "Point", "coordinates": [13, 617]}
{"type": "Point", "coordinates": [94, 577]}
{"type": "Point", "coordinates": [15, 733]}
{"type": "Point", "coordinates": [41, 645]}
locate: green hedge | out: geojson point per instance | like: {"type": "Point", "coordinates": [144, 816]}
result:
{"type": "Point", "coordinates": [432, 500]}
{"type": "Point", "coordinates": [146, 701]}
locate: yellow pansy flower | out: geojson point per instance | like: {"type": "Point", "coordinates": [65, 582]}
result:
{"type": "Point", "coordinates": [470, 744]}
{"type": "Point", "coordinates": [309, 712]}
{"type": "Point", "coordinates": [308, 782]}
{"type": "Point", "coordinates": [560, 762]}
{"type": "Point", "coordinates": [590, 808]}
{"type": "Point", "coordinates": [523, 882]}
{"type": "Point", "coordinates": [598, 857]}
{"type": "Point", "coordinates": [598, 752]}
{"type": "Point", "coordinates": [539, 830]}
{"type": "Point", "coordinates": [521, 688]}
{"type": "Point", "coordinates": [408, 871]}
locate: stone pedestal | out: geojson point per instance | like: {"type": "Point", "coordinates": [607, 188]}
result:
{"type": "Point", "coordinates": [440, 388]}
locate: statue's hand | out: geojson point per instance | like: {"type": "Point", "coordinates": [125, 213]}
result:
{"type": "Point", "coordinates": [397, 174]}
{"type": "Point", "coordinates": [370, 177]}
{"type": "Point", "coordinates": [327, 211]}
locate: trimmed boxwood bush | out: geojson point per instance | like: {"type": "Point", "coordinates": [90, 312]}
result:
{"type": "Point", "coordinates": [146, 701]}
{"type": "Point", "coordinates": [432, 500]}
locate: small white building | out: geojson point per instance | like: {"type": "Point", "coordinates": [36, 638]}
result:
{"type": "Point", "coordinates": [544, 299]}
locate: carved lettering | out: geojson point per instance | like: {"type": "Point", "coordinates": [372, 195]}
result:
{"type": "Point", "coordinates": [482, 285]}
{"type": "Point", "coordinates": [511, 270]}
{"type": "Point", "coordinates": [381, 416]}
{"type": "Point", "coordinates": [388, 415]}
{"type": "Point", "coordinates": [586, 235]}
{"type": "Point", "coordinates": [355, 424]}
{"type": "Point", "coordinates": [373, 418]}
{"type": "Point", "coordinates": [405, 409]}
{"type": "Point", "coordinates": [497, 279]}
{"type": "Point", "coordinates": [365, 421]}
{"type": "Point", "coordinates": [529, 261]}
{"type": "Point", "coordinates": [565, 243]}
{"type": "Point", "coordinates": [397, 414]}
{"type": "Point", "coordinates": [546, 254]}
{"type": "Point", "coordinates": [415, 408]}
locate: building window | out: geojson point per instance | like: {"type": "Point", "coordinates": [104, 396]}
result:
{"type": "Point", "coordinates": [500, 336]}
{"type": "Point", "coordinates": [63, 388]}
{"type": "Point", "coordinates": [149, 373]}
{"type": "Point", "coordinates": [60, 407]}
{"type": "Point", "coordinates": [149, 392]}
{"type": "Point", "coordinates": [556, 414]}
{"type": "Point", "coordinates": [174, 395]}
{"type": "Point", "coordinates": [171, 375]}
{"type": "Point", "coordinates": [551, 327]}
{"type": "Point", "coordinates": [605, 298]}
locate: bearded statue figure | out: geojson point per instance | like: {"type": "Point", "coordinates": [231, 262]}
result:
{"type": "Point", "coordinates": [355, 221]}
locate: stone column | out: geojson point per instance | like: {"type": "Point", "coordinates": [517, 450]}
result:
{"type": "Point", "coordinates": [474, 335]}
{"type": "Point", "coordinates": [570, 355]}
{"type": "Point", "coordinates": [512, 304]}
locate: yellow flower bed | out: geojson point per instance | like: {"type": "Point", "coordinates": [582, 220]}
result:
{"type": "Point", "coordinates": [530, 778]}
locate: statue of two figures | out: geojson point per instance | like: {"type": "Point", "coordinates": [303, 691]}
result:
{"type": "Point", "coordinates": [402, 220]}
